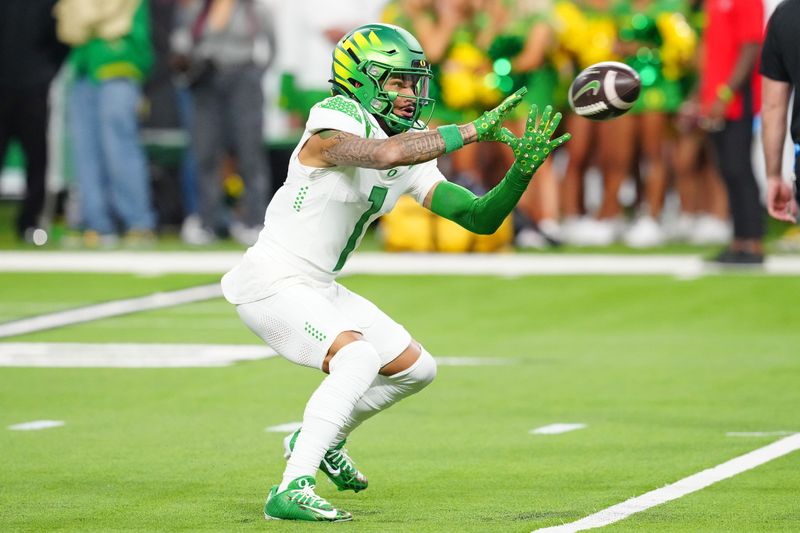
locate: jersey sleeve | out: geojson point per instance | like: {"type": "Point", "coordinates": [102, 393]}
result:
{"type": "Point", "coordinates": [772, 64]}
{"type": "Point", "coordinates": [748, 21]}
{"type": "Point", "coordinates": [337, 113]}
{"type": "Point", "coordinates": [424, 177]}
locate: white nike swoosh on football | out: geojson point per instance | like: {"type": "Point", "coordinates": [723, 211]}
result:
{"type": "Point", "coordinates": [330, 515]}
{"type": "Point", "coordinates": [331, 470]}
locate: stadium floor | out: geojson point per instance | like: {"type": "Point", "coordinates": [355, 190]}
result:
{"type": "Point", "coordinates": [665, 373]}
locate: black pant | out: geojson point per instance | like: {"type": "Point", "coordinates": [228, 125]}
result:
{"type": "Point", "coordinates": [733, 145]}
{"type": "Point", "coordinates": [23, 116]}
{"type": "Point", "coordinates": [797, 175]}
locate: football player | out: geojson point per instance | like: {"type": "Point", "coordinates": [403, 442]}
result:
{"type": "Point", "coordinates": [362, 148]}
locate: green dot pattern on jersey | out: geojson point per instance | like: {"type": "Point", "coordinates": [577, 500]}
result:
{"type": "Point", "coordinates": [314, 332]}
{"type": "Point", "coordinates": [301, 195]}
{"type": "Point", "coordinates": [346, 106]}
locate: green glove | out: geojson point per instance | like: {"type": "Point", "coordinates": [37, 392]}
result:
{"type": "Point", "coordinates": [536, 144]}
{"type": "Point", "coordinates": [490, 124]}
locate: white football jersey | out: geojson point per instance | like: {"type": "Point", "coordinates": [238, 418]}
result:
{"type": "Point", "coordinates": [319, 215]}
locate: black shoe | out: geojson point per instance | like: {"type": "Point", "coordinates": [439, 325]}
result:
{"type": "Point", "coordinates": [738, 257]}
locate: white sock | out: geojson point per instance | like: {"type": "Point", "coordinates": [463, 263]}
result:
{"type": "Point", "coordinates": [352, 370]}
{"type": "Point", "coordinates": [386, 391]}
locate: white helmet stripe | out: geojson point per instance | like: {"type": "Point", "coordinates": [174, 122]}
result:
{"type": "Point", "coordinates": [609, 86]}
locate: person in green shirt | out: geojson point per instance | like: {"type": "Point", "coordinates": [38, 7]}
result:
{"type": "Point", "coordinates": [111, 57]}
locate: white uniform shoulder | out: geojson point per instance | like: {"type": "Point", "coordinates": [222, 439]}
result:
{"type": "Point", "coordinates": [339, 113]}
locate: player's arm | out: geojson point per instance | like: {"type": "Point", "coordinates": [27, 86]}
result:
{"type": "Point", "coordinates": [781, 203]}
{"type": "Point", "coordinates": [486, 213]}
{"type": "Point", "coordinates": [331, 148]}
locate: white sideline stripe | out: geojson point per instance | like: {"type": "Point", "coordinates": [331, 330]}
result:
{"type": "Point", "coordinates": [36, 425]}
{"type": "Point", "coordinates": [80, 355]}
{"type": "Point", "coordinates": [108, 309]}
{"type": "Point", "coordinates": [758, 433]}
{"type": "Point", "coordinates": [153, 263]}
{"type": "Point", "coordinates": [284, 428]}
{"type": "Point", "coordinates": [555, 429]}
{"type": "Point", "coordinates": [153, 355]}
{"type": "Point", "coordinates": [473, 361]}
{"type": "Point", "coordinates": [683, 487]}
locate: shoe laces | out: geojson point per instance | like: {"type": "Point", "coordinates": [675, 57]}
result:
{"type": "Point", "coordinates": [307, 496]}
{"type": "Point", "coordinates": [341, 459]}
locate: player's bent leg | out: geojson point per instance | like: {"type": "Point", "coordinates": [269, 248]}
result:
{"type": "Point", "coordinates": [384, 392]}
{"type": "Point", "coordinates": [388, 390]}
{"type": "Point", "coordinates": [352, 370]}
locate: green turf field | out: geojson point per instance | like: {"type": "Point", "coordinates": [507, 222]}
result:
{"type": "Point", "coordinates": [659, 369]}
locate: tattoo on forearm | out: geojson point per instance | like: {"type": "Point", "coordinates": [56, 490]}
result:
{"type": "Point", "coordinates": [345, 149]}
{"type": "Point", "coordinates": [406, 148]}
{"type": "Point", "coordinates": [418, 147]}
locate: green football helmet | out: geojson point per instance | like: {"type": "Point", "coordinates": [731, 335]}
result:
{"type": "Point", "coordinates": [367, 57]}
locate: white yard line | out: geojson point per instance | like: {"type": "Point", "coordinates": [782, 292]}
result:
{"type": "Point", "coordinates": [151, 263]}
{"type": "Point", "coordinates": [758, 433]}
{"type": "Point", "coordinates": [680, 488]}
{"type": "Point", "coordinates": [149, 355]}
{"type": "Point", "coordinates": [288, 427]}
{"type": "Point", "coordinates": [555, 429]}
{"type": "Point", "coordinates": [108, 309]}
{"type": "Point", "coordinates": [36, 425]}
{"type": "Point", "coordinates": [80, 355]}
{"type": "Point", "coordinates": [473, 361]}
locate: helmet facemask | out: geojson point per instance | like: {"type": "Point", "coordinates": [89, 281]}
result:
{"type": "Point", "coordinates": [384, 100]}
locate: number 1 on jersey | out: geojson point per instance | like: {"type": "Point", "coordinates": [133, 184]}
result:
{"type": "Point", "coordinates": [376, 198]}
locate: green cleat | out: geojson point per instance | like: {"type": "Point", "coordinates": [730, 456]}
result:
{"type": "Point", "coordinates": [336, 464]}
{"type": "Point", "coordinates": [299, 502]}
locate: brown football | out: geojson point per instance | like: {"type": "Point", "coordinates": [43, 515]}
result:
{"type": "Point", "coordinates": [604, 90]}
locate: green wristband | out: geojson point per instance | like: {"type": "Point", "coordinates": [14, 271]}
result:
{"type": "Point", "coordinates": [452, 137]}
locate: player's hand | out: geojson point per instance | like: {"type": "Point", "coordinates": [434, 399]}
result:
{"type": "Point", "coordinates": [781, 202]}
{"type": "Point", "coordinates": [536, 143]}
{"type": "Point", "coordinates": [490, 125]}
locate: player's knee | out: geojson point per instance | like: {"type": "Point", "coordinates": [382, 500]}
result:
{"type": "Point", "coordinates": [359, 354]}
{"type": "Point", "coordinates": [424, 371]}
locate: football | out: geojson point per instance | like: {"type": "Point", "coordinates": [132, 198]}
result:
{"type": "Point", "coordinates": [604, 90]}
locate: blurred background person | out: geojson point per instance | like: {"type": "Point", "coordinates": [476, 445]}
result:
{"type": "Point", "coordinates": [316, 27]}
{"type": "Point", "coordinates": [703, 217]}
{"type": "Point", "coordinates": [586, 34]}
{"type": "Point", "coordinates": [780, 70]}
{"type": "Point", "coordinates": [521, 56]}
{"type": "Point", "coordinates": [730, 96]}
{"type": "Point", "coordinates": [223, 48]}
{"type": "Point", "coordinates": [656, 40]}
{"type": "Point", "coordinates": [30, 57]}
{"type": "Point", "coordinates": [455, 35]}
{"type": "Point", "coordinates": [111, 56]}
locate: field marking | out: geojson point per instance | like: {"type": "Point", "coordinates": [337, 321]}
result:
{"type": "Point", "coordinates": [682, 487]}
{"type": "Point", "coordinates": [473, 361]}
{"type": "Point", "coordinates": [154, 263]}
{"type": "Point", "coordinates": [759, 433]}
{"type": "Point", "coordinates": [288, 427]}
{"type": "Point", "coordinates": [115, 355]}
{"type": "Point", "coordinates": [88, 313]}
{"type": "Point", "coordinates": [157, 355]}
{"type": "Point", "coordinates": [36, 425]}
{"type": "Point", "coordinates": [555, 429]}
